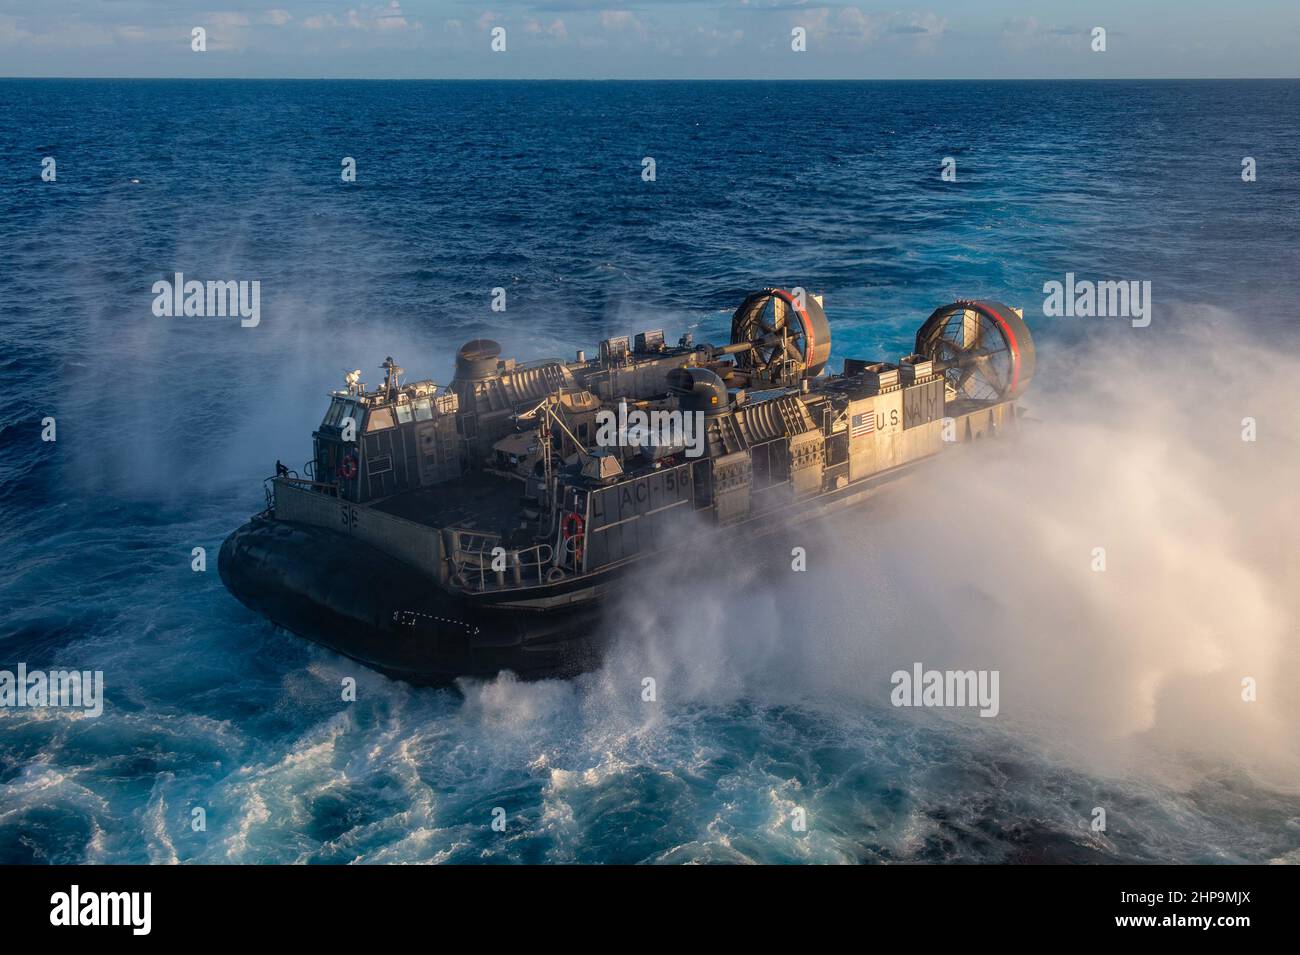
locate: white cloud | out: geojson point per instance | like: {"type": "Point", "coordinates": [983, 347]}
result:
{"type": "Point", "coordinates": [621, 20]}
{"type": "Point", "coordinates": [225, 19]}
{"type": "Point", "coordinates": [556, 30]}
{"type": "Point", "coordinates": [858, 26]}
{"type": "Point", "coordinates": [390, 17]}
{"type": "Point", "coordinates": [854, 27]}
{"type": "Point", "coordinates": [227, 30]}
{"type": "Point", "coordinates": [1024, 33]}
{"type": "Point", "coordinates": [368, 18]}
{"type": "Point", "coordinates": [925, 29]}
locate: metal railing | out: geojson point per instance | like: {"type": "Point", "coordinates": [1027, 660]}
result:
{"type": "Point", "coordinates": [475, 559]}
{"type": "Point", "coordinates": [268, 487]}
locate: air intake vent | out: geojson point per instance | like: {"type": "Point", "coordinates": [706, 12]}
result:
{"type": "Point", "coordinates": [878, 374]}
{"type": "Point", "coordinates": [915, 367]}
{"type": "Point", "coordinates": [477, 359]}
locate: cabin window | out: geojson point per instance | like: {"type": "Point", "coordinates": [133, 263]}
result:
{"type": "Point", "coordinates": [380, 418]}
{"type": "Point", "coordinates": [423, 409]}
{"type": "Point", "coordinates": [335, 412]}
{"type": "Point", "coordinates": [403, 413]}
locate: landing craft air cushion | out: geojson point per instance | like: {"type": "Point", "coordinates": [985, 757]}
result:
{"type": "Point", "coordinates": [466, 530]}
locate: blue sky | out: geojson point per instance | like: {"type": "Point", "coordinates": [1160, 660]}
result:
{"type": "Point", "coordinates": [591, 39]}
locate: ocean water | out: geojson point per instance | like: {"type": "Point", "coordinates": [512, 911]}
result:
{"type": "Point", "coordinates": [770, 700]}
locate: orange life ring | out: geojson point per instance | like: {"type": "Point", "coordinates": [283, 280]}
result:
{"type": "Point", "coordinates": [348, 468]}
{"type": "Point", "coordinates": [572, 528]}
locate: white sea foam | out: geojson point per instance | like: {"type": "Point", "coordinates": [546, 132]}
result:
{"type": "Point", "coordinates": [983, 560]}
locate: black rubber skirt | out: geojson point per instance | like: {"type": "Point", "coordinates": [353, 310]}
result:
{"type": "Point", "coordinates": [377, 610]}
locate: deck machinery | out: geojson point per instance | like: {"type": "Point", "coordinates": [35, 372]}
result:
{"type": "Point", "coordinates": [460, 531]}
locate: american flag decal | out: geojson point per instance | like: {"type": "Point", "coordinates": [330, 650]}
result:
{"type": "Point", "coordinates": [861, 424]}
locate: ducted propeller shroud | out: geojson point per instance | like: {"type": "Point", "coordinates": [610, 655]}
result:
{"type": "Point", "coordinates": [984, 349]}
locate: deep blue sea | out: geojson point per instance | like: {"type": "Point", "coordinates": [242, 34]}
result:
{"type": "Point", "coordinates": [166, 428]}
